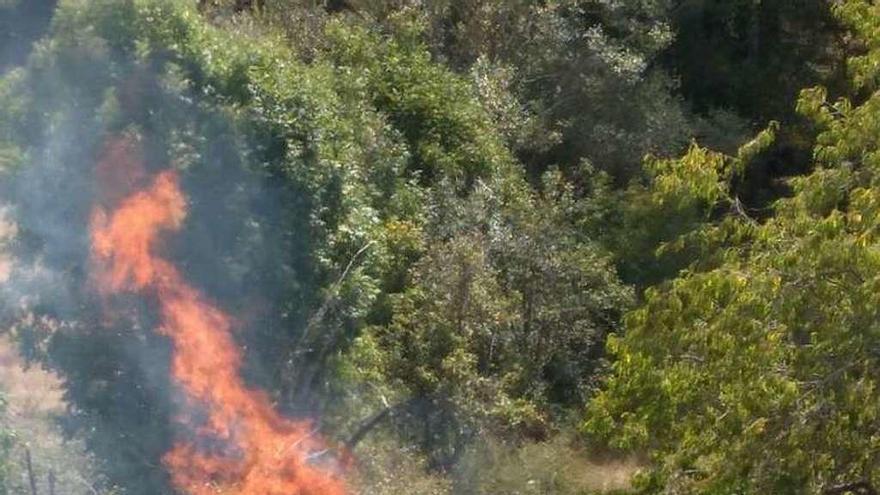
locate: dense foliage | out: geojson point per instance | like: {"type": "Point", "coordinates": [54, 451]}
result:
{"type": "Point", "coordinates": [752, 371]}
{"type": "Point", "coordinates": [494, 246]}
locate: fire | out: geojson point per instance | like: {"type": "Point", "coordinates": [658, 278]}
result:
{"type": "Point", "coordinates": [243, 446]}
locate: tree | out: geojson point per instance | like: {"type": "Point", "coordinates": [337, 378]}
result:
{"type": "Point", "coordinates": [300, 176]}
{"type": "Point", "coordinates": [741, 65]}
{"type": "Point", "coordinates": [751, 57]}
{"type": "Point", "coordinates": [21, 24]}
{"type": "Point", "coordinates": [579, 78]}
{"type": "Point", "coordinates": [500, 328]}
{"type": "Point", "coordinates": [753, 373]}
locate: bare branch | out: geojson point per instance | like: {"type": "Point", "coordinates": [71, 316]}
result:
{"type": "Point", "coordinates": [32, 479]}
{"type": "Point", "coordinates": [862, 487]}
{"type": "Point", "coordinates": [315, 320]}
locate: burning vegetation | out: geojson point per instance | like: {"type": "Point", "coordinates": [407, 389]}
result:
{"type": "Point", "coordinates": [286, 247]}
{"type": "Point", "coordinates": [239, 443]}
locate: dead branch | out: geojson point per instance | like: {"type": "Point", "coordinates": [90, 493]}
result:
{"type": "Point", "coordinates": [316, 318]}
{"type": "Point", "coordinates": [862, 487]}
{"type": "Point", "coordinates": [30, 471]}
{"type": "Point", "coordinates": [83, 482]}
{"type": "Point", "coordinates": [374, 420]}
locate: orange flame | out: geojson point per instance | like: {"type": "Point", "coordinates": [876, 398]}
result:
{"type": "Point", "coordinates": [253, 450]}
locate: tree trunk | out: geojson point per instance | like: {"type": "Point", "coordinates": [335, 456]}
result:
{"type": "Point", "coordinates": [862, 487]}
{"type": "Point", "coordinates": [30, 471]}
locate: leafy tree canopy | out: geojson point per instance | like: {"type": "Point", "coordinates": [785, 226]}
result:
{"type": "Point", "coordinates": [753, 374]}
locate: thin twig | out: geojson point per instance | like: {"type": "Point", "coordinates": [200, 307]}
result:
{"type": "Point", "coordinates": [388, 412]}
{"type": "Point", "coordinates": [82, 481]}
{"type": "Point", "coordinates": [294, 444]}
{"type": "Point", "coordinates": [862, 487]}
{"type": "Point", "coordinates": [334, 292]}
{"type": "Point", "coordinates": [737, 207]}
{"type": "Point", "coordinates": [30, 471]}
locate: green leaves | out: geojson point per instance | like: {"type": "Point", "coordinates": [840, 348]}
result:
{"type": "Point", "coordinates": [862, 17]}
{"type": "Point", "coordinates": [314, 188]}
{"type": "Point", "coordinates": [448, 131]}
{"type": "Point", "coordinates": [753, 375]}
{"type": "Point", "coordinates": [502, 320]}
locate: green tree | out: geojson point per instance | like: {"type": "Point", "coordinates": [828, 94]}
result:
{"type": "Point", "coordinates": [21, 24]}
{"type": "Point", "coordinates": [752, 57]}
{"type": "Point", "coordinates": [307, 181]}
{"type": "Point", "coordinates": [501, 327]}
{"type": "Point", "coordinates": [661, 223]}
{"type": "Point", "coordinates": [740, 64]}
{"type": "Point", "coordinates": [752, 373]}
{"type": "Point", "coordinates": [579, 78]}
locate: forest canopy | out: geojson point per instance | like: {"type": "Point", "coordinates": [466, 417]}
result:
{"type": "Point", "coordinates": [464, 246]}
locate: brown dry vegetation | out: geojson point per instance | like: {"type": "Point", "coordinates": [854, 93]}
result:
{"type": "Point", "coordinates": [30, 391]}
{"type": "Point", "coordinates": [34, 399]}
{"type": "Point", "coordinates": [557, 466]}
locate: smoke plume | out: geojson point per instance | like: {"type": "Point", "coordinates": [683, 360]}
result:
{"type": "Point", "coordinates": [238, 442]}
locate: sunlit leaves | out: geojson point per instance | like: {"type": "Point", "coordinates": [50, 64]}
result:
{"type": "Point", "coordinates": [755, 375]}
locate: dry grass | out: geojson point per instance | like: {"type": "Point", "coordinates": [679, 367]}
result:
{"type": "Point", "coordinates": [384, 468]}
{"type": "Point", "coordinates": [34, 399]}
{"type": "Point", "coordinates": [31, 393]}
{"type": "Point", "coordinates": [559, 465]}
